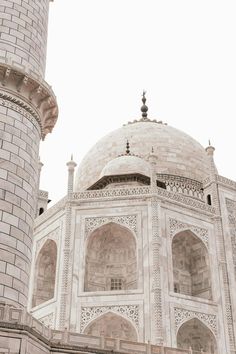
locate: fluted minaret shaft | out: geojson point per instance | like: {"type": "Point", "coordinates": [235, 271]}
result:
{"type": "Point", "coordinates": [28, 111]}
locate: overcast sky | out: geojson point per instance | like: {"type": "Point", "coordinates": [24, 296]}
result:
{"type": "Point", "coordinates": [103, 53]}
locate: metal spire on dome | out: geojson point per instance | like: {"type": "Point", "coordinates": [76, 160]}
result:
{"type": "Point", "coordinates": [144, 108]}
{"type": "Point", "coordinates": [127, 148]}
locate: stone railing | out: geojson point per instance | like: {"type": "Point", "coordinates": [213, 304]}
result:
{"type": "Point", "coordinates": [182, 185]}
{"type": "Point", "coordinates": [123, 193]}
{"type": "Point", "coordinates": [13, 319]}
{"type": "Point", "coordinates": [146, 191]}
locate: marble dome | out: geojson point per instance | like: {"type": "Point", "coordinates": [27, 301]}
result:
{"type": "Point", "coordinates": [177, 153]}
{"type": "Point", "coordinates": [126, 164]}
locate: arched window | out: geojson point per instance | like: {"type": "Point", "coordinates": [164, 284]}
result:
{"type": "Point", "coordinates": [209, 199]}
{"type": "Point", "coordinates": [111, 262]}
{"type": "Point", "coordinates": [112, 325]}
{"type": "Point", "coordinates": [191, 266]}
{"type": "Point", "coordinates": [45, 272]}
{"type": "Point", "coordinates": [195, 335]}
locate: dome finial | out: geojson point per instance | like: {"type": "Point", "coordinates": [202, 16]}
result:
{"type": "Point", "coordinates": [144, 108]}
{"type": "Point", "coordinates": [127, 148]}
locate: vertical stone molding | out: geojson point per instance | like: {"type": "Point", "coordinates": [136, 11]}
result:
{"type": "Point", "coordinates": [28, 111]}
{"type": "Point", "coordinates": [231, 208]}
{"type": "Point", "coordinates": [227, 299]}
{"type": "Point", "coordinates": [23, 36]}
{"type": "Point", "coordinates": [67, 266]}
{"type": "Point", "coordinates": [156, 286]}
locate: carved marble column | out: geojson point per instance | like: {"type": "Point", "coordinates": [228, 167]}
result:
{"type": "Point", "coordinates": [67, 254]}
{"type": "Point", "coordinates": [156, 286]}
{"type": "Point", "coordinates": [223, 268]}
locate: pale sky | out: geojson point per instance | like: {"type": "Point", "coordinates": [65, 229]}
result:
{"type": "Point", "coordinates": [103, 53]}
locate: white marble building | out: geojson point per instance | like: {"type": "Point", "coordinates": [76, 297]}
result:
{"type": "Point", "coordinates": [140, 254]}
{"type": "Point", "coordinates": [143, 245]}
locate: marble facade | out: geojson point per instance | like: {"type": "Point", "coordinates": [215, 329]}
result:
{"type": "Point", "coordinates": [140, 254]}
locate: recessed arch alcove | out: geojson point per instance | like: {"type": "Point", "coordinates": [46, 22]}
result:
{"type": "Point", "coordinates": [198, 336]}
{"type": "Point", "coordinates": [112, 325]}
{"type": "Point", "coordinates": [45, 273]}
{"type": "Point", "coordinates": [191, 265]}
{"type": "Point", "coordinates": [111, 259]}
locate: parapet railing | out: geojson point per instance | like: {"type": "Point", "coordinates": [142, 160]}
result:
{"type": "Point", "coordinates": [15, 318]}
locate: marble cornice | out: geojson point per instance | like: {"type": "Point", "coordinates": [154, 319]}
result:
{"type": "Point", "coordinates": [221, 181]}
{"type": "Point", "coordinates": [141, 192]}
{"type": "Point", "coordinates": [226, 182]}
{"type": "Point", "coordinates": [33, 95]}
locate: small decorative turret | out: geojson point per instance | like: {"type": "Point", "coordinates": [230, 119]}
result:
{"type": "Point", "coordinates": [210, 149]}
{"type": "Point", "coordinates": [71, 169]}
{"type": "Point", "coordinates": [152, 158]}
{"type": "Point", "coordinates": [210, 152]}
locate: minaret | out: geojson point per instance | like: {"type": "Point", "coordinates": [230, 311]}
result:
{"type": "Point", "coordinates": [71, 169]}
{"type": "Point", "coordinates": [28, 111]}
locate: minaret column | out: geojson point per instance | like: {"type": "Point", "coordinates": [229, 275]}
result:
{"type": "Point", "coordinates": [71, 170]}
{"type": "Point", "coordinates": [28, 111]}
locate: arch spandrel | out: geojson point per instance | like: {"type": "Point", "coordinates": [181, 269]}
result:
{"type": "Point", "coordinates": [177, 226]}
{"type": "Point", "coordinates": [111, 325]}
{"type": "Point", "coordinates": [195, 334]}
{"type": "Point", "coordinates": [127, 221]}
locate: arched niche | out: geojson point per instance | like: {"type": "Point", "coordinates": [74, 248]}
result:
{"type": "Point", "coordinates": [196, 335]}
{"type": "Point", "coordinates": [112, 325]}
{"type": "Point", "coordinates": [45, 272]}
{"type": "Point", "coordinates": [191, 266]}
{"type": "Point", "coordinates": [111, 261]}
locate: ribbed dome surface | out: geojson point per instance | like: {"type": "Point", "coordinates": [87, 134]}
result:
{"type": "Point", "coordinates": [177, 153]}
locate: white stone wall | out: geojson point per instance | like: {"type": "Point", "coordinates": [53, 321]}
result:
{"type": "Point", "coordinates": [154, 310]}
{"type": "Point", "coordinates": [23, 35]}
{"type": "Point", "coordinates": [19, 143]}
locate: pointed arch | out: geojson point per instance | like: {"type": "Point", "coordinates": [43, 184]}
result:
{"type": "Point", "coordinates": [112, 325]}
{"type": "Point", "coordinates": [45, 273]}
{"type": "Point", "coordinates": [195, 334]}
{"type": "Point", "coordinates": [111, 259]}
{"type": "Point", "coordinates": [191, 265]}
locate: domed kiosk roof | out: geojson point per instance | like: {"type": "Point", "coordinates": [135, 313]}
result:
{"type": "Point", "coordinates": [177, 153]}
{"type": "Point", "coordinates": [126, 164]}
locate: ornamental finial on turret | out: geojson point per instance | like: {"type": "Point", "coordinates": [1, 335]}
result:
{"type": "Point", "coordinates": [144, 108]}
{"type": "Point", "coordinates": [127, 148]}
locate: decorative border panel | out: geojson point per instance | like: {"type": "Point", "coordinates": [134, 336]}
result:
{"type": "Point", "coordinates": [54, 235]}
{"type": "Point", "coordinates": [178, 226]}
{"type": "Point", "coordinates": [130, 221]}
{"type": "Point", "coordinates": [143, 191]}
{"type": "Point", "coordinates": [156, 284]}
{"type": "Point", "coordinates": [130, 312]}
{"type": "Point", "coordinates": [231, 208]}
{"type": "Point", "coordinates": [182, 316]}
